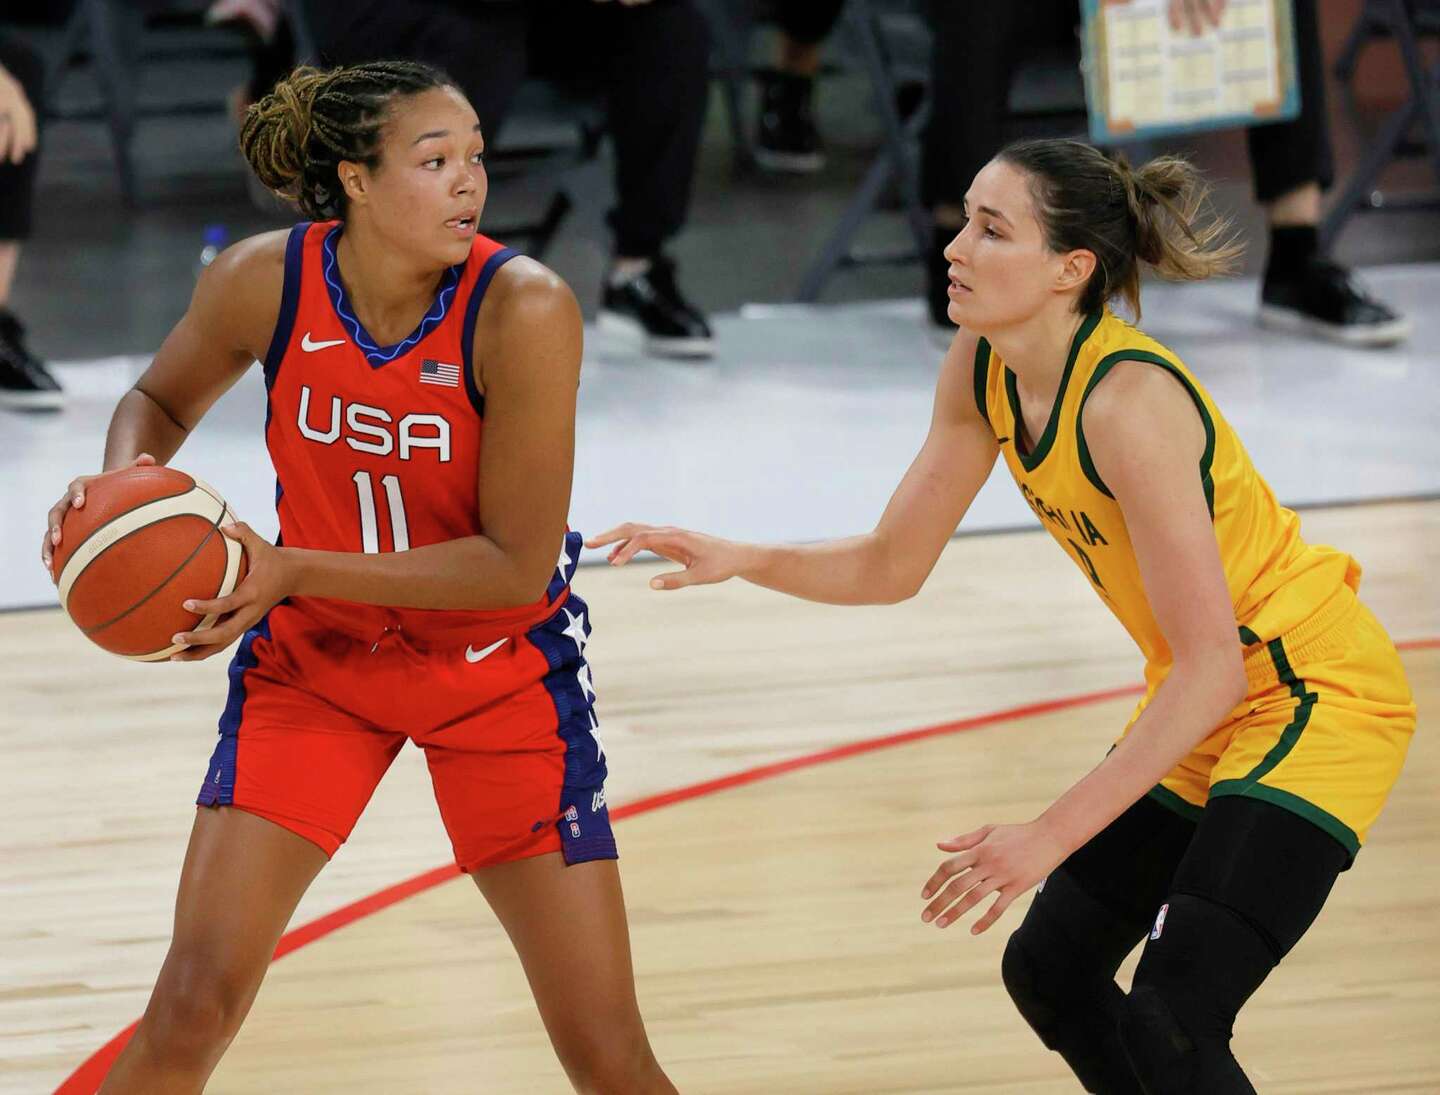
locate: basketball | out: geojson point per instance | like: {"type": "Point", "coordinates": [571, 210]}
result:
{"type": "Point", "coordinates": [146, 540]}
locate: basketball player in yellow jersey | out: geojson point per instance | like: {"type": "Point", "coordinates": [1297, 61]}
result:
{"type": "Point", "coordinates": [1277, 714]}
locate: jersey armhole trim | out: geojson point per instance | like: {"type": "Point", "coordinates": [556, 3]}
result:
{"type": "Point", "coordinates": [982, 379]}
{"type": "Point", "coordinates": [1107, 363]}
{"type": "Point", "coordinates": [289, 303]}
{"type": "Point", "coordinates": [467, 332]}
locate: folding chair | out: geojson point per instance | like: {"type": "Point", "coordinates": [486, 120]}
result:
{"type": "Point", "coordinates": [119, 35]}
{"type": "Point", "coordinates": [1404, 21]}
{"type": "Point", "coordinates": [892, 43]}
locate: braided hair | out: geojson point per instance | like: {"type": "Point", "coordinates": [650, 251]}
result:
{"type": "Point", "coordinates": [295, 138]}
{"type": "Point", "coordinates": [1158, 214]}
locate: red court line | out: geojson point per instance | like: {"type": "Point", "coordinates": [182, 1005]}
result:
{"type": "Point", "coordinates": [86, 1079]}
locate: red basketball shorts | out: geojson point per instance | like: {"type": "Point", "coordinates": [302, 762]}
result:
{"type": "Point", "coordinates": [314, 718]}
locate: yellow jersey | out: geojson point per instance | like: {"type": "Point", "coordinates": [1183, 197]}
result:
{"type": "Point", "coordinates": [1276, 579]}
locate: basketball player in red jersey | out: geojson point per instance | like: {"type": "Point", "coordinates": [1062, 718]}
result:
{"type": "Point", "coordinates": [421, 384]}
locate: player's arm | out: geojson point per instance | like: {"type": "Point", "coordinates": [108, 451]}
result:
{"type": "Point", "coordinates": [1150, 462]}
{"type": "Point", "coordinates": [527, 347]}
{"type": "Point", "coordinates": [883, 566]}
{"type": "Point", "coordinates": [1146, 440]}
{"type": "Point", "coordinates": [227, 327]}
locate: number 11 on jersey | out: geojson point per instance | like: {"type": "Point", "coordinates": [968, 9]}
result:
{"type": "Point", "coordinates": [369, 529]}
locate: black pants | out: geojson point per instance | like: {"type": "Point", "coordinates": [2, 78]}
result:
{"type": "Point", "coordinates": [1259, 873]}
{"type": "Point", "coordinates": [807, 21]}
{"type": "Point", "coordinates": [974, 60]}
{"type": "Point", "coordinates": [649, 61]}
{"type": "Point", "coordinates": [17, 181]}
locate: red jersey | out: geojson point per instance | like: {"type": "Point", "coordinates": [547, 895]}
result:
{"type": "Point", "coordinates": [377, 448]}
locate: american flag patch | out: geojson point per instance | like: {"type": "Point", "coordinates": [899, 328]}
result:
{"type": "Point", "coordinates": [437, 372]}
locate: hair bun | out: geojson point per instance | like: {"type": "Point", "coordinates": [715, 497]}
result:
{"type": "Point", "coordinates": [277, 129]}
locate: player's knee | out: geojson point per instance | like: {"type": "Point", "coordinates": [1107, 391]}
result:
{"type": "Point", "coordinates": [197, 1008]}
{"type": "Point", "coordinates": [606, 1062]}
{"type": "Point", "coordinates": [1030, 984]}
{"type": "Point", "coordinates": [1159, 1047]}
{"type": "Point", "coordinates": [1191, 983]}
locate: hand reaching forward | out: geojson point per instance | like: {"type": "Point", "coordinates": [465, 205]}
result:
{"type": "Point", "coordinates": [706, 559]}
{"type": "Point", "coordinates": [1003, 859]}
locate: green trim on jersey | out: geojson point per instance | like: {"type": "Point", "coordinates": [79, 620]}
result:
{"type": "Point", "coordinates": [1101, 370]}
{"type": "Point", "coordinates": [1031, 460]}
{"type": "Point", "coordinates": [982, 379]}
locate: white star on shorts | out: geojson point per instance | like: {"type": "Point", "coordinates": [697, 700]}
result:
{"type": "Point", "coordinates": [563, 563]}
{"type": "Point", "coordinates": [595, 733]}
{"type": "Point", "coordinates": [575, 629]}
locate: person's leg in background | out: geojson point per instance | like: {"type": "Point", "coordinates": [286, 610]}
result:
{"type": "Point", "coordinates": [786, 139]}
{"type": "Point", "coordinates": [25, 383]}
{"type": "Point", "coordinates": [971, 70]}
{"type": "Point", "coordinates": [480, 46]}
{"type": "Point", "coordinates": [1293, 163]}
{"type": "Point", "coordinates": [653, 61]}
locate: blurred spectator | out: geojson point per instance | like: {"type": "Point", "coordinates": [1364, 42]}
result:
{"type": "Point", "coordinates": [650, 58]}
{"type": "Point", "coordinates": [1291, 162]}
{"type": "Point", "coordinates": [786, 139]}
{"type": "Point", "coordinates": [270, 42]}
{"type": "Point", "coordinates": [25, 383]}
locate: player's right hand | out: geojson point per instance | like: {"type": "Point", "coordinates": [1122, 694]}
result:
{"type": "Point", "coordinates": [74, 496]}
{"type": "Point", "coordinates": [707, 559]}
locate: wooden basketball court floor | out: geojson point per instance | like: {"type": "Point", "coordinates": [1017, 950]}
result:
{"type": "Point", "coordinates": [774, 913]}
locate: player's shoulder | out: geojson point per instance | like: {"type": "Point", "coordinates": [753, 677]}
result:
{"type": "Point", "coordinates": [249, 274]}
{"type": "Point", "coordinates": [528, 310]}
{"type": "Point", "coordinates": [527, 290]}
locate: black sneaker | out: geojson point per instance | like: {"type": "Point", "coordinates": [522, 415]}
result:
{"type": "Point", "coordinates": [649, 308]}
{"type": "Point", "coordinates": [1325, 301]}
{"type": "Point", "coordinates": [25, 383]}
{"type": "Point", "coordinates": [786, 139]}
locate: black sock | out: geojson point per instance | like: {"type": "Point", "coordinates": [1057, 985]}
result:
{"type": "Point", "coordinates": [1292, 248]}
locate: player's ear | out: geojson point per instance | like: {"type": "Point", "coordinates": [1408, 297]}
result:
{"type": "Point", "coordinates": [355, 179]}
{"type": "Point", "coordinates": [1075, 269]}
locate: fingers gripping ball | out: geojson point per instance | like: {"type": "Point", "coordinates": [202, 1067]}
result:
{"type": "Point", "coordinates": [147, 539]}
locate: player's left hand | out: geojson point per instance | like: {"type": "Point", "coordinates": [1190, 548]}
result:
{"type": "Point", "coordinates": [1003, 859]}
{"type": "Point", "coordinates": [266, 584]}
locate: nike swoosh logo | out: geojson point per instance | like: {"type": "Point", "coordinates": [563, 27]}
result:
{"type": "Point", "coordinates": [472, 655]}
{"type": "Point", "coordinates": [309, 345]}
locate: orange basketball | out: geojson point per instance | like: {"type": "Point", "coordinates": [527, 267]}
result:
{"type": "Point", "coordinates": [147, 539]}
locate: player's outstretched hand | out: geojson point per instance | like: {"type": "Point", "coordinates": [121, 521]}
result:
{"type": "Point", "coordinates": [706, 559]}
{"type": "Point", "coordinates": [266, 584]}
{"type": "Point", "coordinates": [1003, 859]}
{"type": "Point", "coordinates": [74, 496]}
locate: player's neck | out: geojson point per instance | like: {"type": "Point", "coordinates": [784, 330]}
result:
{"type": "Point", "coordinates": [389, 292]}
{"type": "Point", "coordinates": [1037, 348]}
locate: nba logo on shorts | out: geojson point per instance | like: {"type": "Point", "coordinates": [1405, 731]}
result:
{"type": "Point", "coordinates": [572, 815]}
{"type": "Point", "coordinates": [1159, 922]}
{"type": "Point", "coordinates": [574, 829]}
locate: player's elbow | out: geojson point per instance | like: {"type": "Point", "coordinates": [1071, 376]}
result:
{"type": "Point", "coordinates": [531, 579]}
{"type": "Point", "coordinates": [891, 576]}
{"type": "Point", "coordinates": [1221, 667]}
